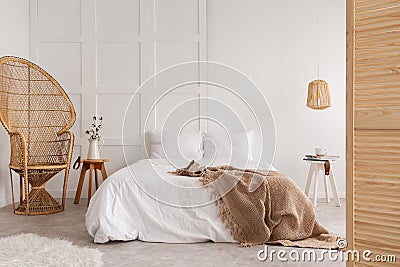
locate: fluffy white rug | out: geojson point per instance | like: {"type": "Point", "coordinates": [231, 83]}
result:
{"type": "Point", "coordinates": [34, 250]}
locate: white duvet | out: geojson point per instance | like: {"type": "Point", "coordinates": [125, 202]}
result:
{"type": "Point", "coordinates": [122, 210]}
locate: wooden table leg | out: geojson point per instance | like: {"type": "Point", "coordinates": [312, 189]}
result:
{"type": "Point", "coordinates": [95, 179]}
{"type": "Point", "coordinates": [103, 171]}
{"type": "Point", "coordinates": [90, 184]}
{"type": "Point", "coordinates": [80, 184]}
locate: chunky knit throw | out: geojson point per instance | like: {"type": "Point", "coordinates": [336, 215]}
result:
{"type": "Point", "coordinates": [277, 211]}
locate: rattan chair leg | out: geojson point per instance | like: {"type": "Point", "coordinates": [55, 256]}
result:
{"type": "Point", "coordinates": [65, 186]}
{"type": "Point", "coordinates": [26, 184]}
{"type": "Point", "coordinates": [21, 193]}
{"type": "Point", "coordinates": [12, 190]}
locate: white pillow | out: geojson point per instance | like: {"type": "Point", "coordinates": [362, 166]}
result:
{"type": "Point", "coordinates": [223, 148]}
{"type": "Point", "coordinates": [166, 144]}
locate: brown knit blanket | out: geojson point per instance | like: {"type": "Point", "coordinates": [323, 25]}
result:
{"type": "Point", "coordinates": [276, 212]}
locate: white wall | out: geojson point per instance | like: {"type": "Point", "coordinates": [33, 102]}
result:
{"type": "Point", "coordinates": [275, 44]}
{"type": "Point", "coordinates": [14, 32]}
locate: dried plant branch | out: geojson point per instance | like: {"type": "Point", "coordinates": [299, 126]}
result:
{"type": "Point", "coordinates": [96, 126]}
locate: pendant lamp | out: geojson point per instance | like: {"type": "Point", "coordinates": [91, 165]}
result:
{"type": "Point", "coordinates": [318, 90]}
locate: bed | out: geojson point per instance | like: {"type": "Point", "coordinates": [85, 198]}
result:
{"type": "Point", "coordinates": [157, 200]}
{"type": "Point", "coordinates": [121, 210]}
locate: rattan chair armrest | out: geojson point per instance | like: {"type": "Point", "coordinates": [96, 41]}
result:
{"type": "Point", "coordinates": [63, 131]}
{"type": "Point", "coordinates": [71, 139]}
{"type": "Point", "coordinates": [20, 134]}
{"type": "Point", "coordinates": [23, 149]}
{"type": "Point", "coordinates": [23, 139]}
{"type": "Point", "coordinates": [71, 135]}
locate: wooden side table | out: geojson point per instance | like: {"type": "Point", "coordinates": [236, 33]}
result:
{"type": "Point", "coordinates": [92, 165]}
{"type": "Point", "coordinates": [316, 166]}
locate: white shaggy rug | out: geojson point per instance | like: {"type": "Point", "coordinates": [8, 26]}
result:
{"type": "Point", "coordinates": [34, 250]}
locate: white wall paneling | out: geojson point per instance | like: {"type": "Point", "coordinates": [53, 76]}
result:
{"type": "Point", "coordinates": [101, 51]}
{"type": "Point", "coordinates": [14, 32]}
{"type": "Point", "coordinates": [118, 66]}
{"type": "Point", "coordinates": [58, 17]}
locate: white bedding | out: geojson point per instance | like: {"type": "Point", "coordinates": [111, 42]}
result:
{"type": "Point", "coordinates": [121, 210]}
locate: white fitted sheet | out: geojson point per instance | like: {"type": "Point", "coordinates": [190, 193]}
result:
{"type": "Point", "coordinates": [121, 210]}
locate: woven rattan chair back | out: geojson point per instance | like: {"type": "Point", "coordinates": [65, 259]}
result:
{"type": "Point", "coordinates": [37, 114]}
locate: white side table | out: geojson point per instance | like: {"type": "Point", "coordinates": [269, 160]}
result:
{"type": "Point", "coordinates": [317, 166]}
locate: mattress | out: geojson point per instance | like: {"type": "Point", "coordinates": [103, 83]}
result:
{"type": "Point", "coordinates": [145, 202]}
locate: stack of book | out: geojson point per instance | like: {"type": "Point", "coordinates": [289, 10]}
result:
{"type": "Point", "coordinates": [322, 158]}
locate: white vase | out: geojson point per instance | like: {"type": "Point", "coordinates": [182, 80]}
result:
{"type": "Point", "coordinates": [94, 150]}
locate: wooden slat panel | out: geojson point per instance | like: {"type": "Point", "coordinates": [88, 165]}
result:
{"type": "Point", "coordinates": [377, 61]}
{"type": "Point", "coordinates": [377, 26]}
{"type": "Point", "coordinates": [389, 216]}
{"type": "Point", "coordinates": [388, 240]}
{"type": "Point", "coordinates": [359, 3]}
{"type": "Point", "coordinates": [385, 206]}
{"type": "Point", "coordinates": [381, 86]}
{"type": "Point", "coordinates": [365, 245]}
{"type": "Point", "coordinates": [364, 100]}
{"type": "Point", "coordinates": [371, 119]}
{"type": "Point", "coordinates": [365, 94]}
{"type": "Point", "coordinates": [375, 6]}
{"type": "Point", "coordinates": [392, 16]}
{"type": "Point", "coordinates": [390, 104]}
{"type": "Point", "coordinates": [376, 52]}
{"type": "Point", "coordinates": [373, 3]}
{"type": "Point", "coordinates": [374, 14]}
{"type": "Point", "coordinates": [363, 187]}
{"type": "Point", "coordinates": [377, 29]}
{"type": "Point", "coordinates": [375, 241]}
{"type": "Point", "coordinates": [361, 6]}
{"type": "Point", "coordinates": [381, 74]}
{"type": "Point", "coordinates": [367, 66]}
{"type": "Point", "coordinates": [373, 62]}
{"type": "Point", "coordinates": [377, 197]}
{"type": "Point", "coordinates": [382, 77]}
{"type": "Point", "coordinates": [387, 222]}
{"type": "Point", "coordinates": [376, 184]}
{"type": "Point", "coordinates": [381, 39]}
{"type": "Point", "coordinates": [364, 43]}
{"type": "Point", "coordinates": [383, 229]}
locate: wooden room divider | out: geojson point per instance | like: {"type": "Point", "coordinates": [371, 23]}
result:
{"type": "Point", "coordinates": [373, 130]}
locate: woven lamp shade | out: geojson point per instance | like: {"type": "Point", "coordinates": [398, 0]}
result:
{"type": "Point", "coordinates": [318, 95]}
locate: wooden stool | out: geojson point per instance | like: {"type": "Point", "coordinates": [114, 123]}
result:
{"type": "Point", "coordinates": [92, 165]}
{"type": "Point", "coordinates": [317, 166]}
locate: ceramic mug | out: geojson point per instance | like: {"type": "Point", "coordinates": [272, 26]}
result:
{"type": "Point", "coordinates": [321, 151]}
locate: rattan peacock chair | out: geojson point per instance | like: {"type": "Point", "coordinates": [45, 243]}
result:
{"type": "Point", "coordinates": [37, 115]}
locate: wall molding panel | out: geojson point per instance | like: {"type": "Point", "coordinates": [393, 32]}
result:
{"type": "Point", "coordinates": [101, 57]}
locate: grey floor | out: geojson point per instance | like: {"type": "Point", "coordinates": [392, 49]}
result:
{"type": "Point", "coordinates": [69, 224]}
